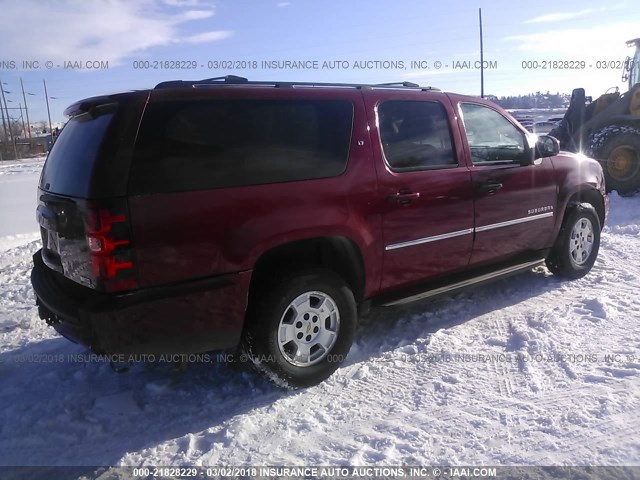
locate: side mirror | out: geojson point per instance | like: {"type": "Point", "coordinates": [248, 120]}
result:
{"type": "Point", "coordinates": [546, 146]}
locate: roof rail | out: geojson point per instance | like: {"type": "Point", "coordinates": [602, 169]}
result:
{"type": "Point", "coordinates": [228, 79]}
{"type": "Point", "coordinates": [235, 80]}
{"type": "Point", "coordinates": [398, 84]}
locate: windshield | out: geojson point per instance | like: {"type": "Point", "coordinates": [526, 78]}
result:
{"type": "Point", "coordinates": [634, 71]}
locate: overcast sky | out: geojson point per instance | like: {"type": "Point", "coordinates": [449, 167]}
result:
{"type": "Point", "coordinates": [123, 32]}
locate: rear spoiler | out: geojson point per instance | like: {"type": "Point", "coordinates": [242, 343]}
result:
{"type": "Point", "coordinates": [85, 106]}
{"type": "Point", "coordinates": [89, 105]}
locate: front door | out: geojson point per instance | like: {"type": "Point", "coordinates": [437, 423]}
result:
{"type": "Point", "coordinates": [515, 203]}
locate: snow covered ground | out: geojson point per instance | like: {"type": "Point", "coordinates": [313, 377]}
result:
{"type": "Point", "coordinates": [18, 181]}
{"type": "Point", "coordinates": [530, 370]}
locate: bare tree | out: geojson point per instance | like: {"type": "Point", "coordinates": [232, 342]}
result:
{"type": "Point", "coordinates": [16, 130]}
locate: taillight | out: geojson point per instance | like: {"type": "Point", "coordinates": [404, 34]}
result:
{"type": "Point", "coordinates": [110, 250]}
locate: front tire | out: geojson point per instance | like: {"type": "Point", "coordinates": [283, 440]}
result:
{"type": "Point", "coordinates": [301, 329]}
{"type": "Point", "coordinates": [578, 243]}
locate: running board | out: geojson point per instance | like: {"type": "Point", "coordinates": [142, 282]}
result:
{"type": "Point", "coordinates": [469, 282]}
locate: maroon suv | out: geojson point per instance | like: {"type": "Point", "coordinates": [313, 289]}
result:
{"type": "Point", "coordinates": [224, 213]}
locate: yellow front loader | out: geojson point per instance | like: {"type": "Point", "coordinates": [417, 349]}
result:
{"type": "Point", "coordinates": [608, 129]}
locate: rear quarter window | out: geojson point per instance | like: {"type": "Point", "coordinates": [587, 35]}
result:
{"type": "Point", "coordinates": [197, 145]}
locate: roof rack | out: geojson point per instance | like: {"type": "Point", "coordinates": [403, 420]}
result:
{"type": "Point", "coordinates": [398, 84]}
{"type": "Point", "coordinates": [207, 81]}
{"type": "Point", "coordinates": [235, 80]}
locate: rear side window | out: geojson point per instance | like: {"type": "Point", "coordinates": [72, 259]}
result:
{"type": "Point", "coordinates": [196, 145]}
{"type": "Point", "coordinates": [70, 163]}
{"type": "Point", "coordinates": [415, 135]}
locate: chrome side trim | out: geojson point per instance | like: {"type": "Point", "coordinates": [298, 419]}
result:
{"type": "Point", "coordinates": [514, 222]}
{"type": "Point", "coordinates": [465, 283]}
{"type": "Point", "coordinates": [458, 233]}
{"type": "Point", "coordinates": [435, 238]}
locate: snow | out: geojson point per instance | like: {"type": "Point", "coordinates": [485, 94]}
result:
{"type": "Point", "coordinates": [18, 181]}
{"type": "Point", "coordinates": [529, 370]}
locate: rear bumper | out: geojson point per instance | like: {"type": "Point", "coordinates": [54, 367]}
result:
{"type": "Point", "coordinates": [190, 317]}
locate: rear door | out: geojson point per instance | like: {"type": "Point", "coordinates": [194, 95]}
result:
{"type": "Point", "coordinates": [424, 186]}
{"type": "Point", "coordinates": [514, 203]}
{"type": "Point", "coordinates": [65, 185]}
{"type": "Point", "coordinates": [87, 165]}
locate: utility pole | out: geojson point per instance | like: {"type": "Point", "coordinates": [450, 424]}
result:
{"type": "Point", "coordinates": [15, 150]}
{"type": "Point", "coordinates": [4, 126]}
{"type": "Point", "coordinates": [481, 56]}
{"type": "Point", "coordinates": [4, 122]}
{"type": "Point", "coordinates": [26, 110]}
{"type": "Point", "coordinates": [24, 130]}
{"type": "Point", "coordinates": [46, 96]}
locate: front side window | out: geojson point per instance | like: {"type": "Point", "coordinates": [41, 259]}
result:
{"type": "Point", "coordinates": [415, 135]}
{"type": "Point", "coordinates": [491, 137]}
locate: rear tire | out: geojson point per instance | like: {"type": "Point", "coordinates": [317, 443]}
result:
{"type": "Point", "coordinates": [300, 330]}
{"type": "Point", "coordinates": [578, 242]}
{"type": "Point", "coordinates": [617, 148]}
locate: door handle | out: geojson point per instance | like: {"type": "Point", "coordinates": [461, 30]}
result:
{"type": "Point", "coordinates": [489, 187]}
{"type": "Point", "coordinates": [403, 197]}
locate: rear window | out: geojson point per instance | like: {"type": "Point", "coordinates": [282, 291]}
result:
{"type": "Point", "coordinates": [70, 163]}
{"type": "Point", "coordinates": [196, 145]}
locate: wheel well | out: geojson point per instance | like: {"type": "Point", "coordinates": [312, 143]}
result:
{"type": "Point", "coordinates": [592, 197]}
{"type": "Point", "coordinates": [338, 254]}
